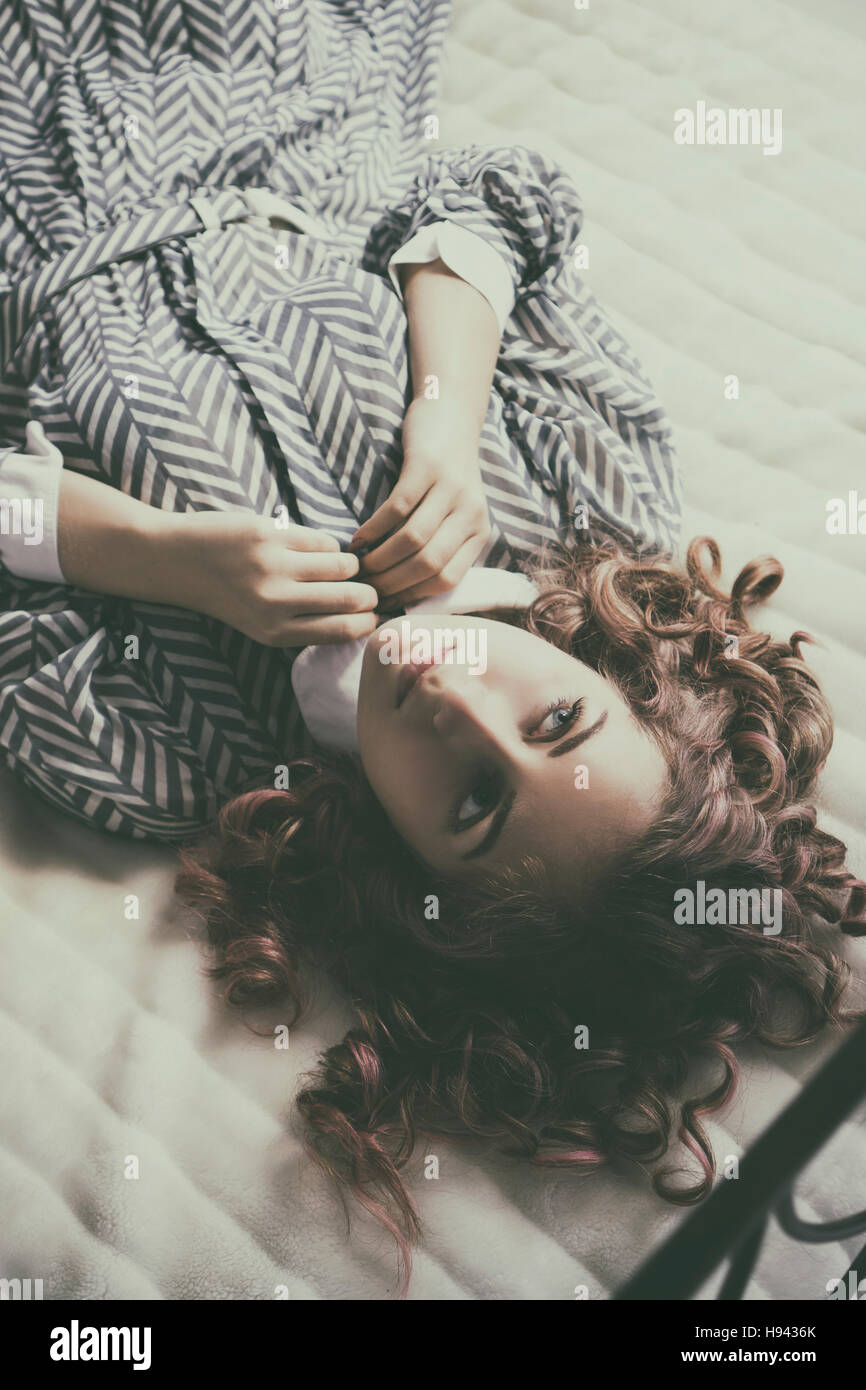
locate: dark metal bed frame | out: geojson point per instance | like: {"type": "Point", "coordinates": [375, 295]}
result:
{"type": "Point", "coordinates": [731, 1223]}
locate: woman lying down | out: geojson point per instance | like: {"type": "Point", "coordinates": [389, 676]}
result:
{"type": "Point", "coordinates": [360, 563]}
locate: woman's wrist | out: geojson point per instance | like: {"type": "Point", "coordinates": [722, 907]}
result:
{"type": "Point", "coordinates": [454, 408]}
{"type": "Point", "coordinates": [161, 543]}
{"type": "Point", "coordinates": [447, 417]}
{"type": "Point", "coordinates": [115, 544]}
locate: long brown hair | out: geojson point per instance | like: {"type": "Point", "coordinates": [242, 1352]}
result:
{"type": "Point", "coordinates": [467, 1015]}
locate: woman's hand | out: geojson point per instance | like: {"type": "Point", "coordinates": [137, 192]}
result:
{"type": "Point", "coordinates": [435, 524]}
{"type": "Point", "coordinates": [283, 587]}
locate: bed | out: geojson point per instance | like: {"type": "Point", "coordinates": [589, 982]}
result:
{"type": "Point", "coordinates": [148, 1147]}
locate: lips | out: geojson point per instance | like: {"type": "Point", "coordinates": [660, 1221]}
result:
{"type": "Point", "coordinates": [412, 672]}
{"type": "Point", "coordinates": [409, 677]}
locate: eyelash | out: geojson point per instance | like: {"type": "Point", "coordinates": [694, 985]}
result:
{"type": "Point", "coordinates": [575, 709]}
{"type": "Point", "coordinates": [480, 781]}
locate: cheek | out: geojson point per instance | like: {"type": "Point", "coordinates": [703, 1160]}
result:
{"type": "Point", "coordinates": [398, 776]}
{"type": "Point", "coordinates": [413, 788]}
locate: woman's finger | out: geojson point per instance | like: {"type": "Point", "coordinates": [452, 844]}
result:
{"type": "Point", "coordinates": [407, 493]}
{"type": "Point", "coordinates": [324, 631]}
{"type": "Point", "coordinates": [308, 600]}
{"type": "Point", "coordinates": [447, 579]}
{"type": "Point", "coordinates": [305, 538]}
{"type": "Point", "coordinates": [430, 561]}
{"type": "Point", "coordinates": [413, 535]}
{"type": "Point", "coordinates": [308, 566]}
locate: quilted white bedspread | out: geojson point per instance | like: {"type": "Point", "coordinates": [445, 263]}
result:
{"type": "Point", "coordinates": [714, 261]}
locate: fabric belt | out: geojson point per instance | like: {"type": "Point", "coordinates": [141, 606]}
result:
{"type": "Point", "coordinates": [123, 239]}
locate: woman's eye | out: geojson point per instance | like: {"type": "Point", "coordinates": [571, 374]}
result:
{"type": "Point", "coordinates": [481, 800]}
{"type": "Point", "coordinates": [558, 717]}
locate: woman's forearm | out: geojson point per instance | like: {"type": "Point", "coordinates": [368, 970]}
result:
{"type": "Point", "coordinates": [113, 543]}
{"type": "Point", "coordinates": [453, 337]}
{"type": "Point", "coordinates": [434, 524]}
{"type": "Point", "coordinates": [283, 585]}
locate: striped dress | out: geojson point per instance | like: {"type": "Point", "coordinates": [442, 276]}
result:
{"type": "Point", "coordinates": [197, 358]}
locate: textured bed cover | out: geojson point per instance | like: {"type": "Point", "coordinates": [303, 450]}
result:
{"type": "Point", "coordinates": [713, 261]}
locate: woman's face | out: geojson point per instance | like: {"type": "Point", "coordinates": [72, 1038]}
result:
{"type": "Point", "coordinates": [485, 744]}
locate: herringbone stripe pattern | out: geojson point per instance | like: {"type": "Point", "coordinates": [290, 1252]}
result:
{"type": "Point", "coordinates": [196, 358]}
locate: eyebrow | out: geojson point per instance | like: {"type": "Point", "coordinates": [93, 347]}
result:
{"type": "Point", "coordinates": [575, 742]}
{"type": "Point", "coordinates": [503, 811]}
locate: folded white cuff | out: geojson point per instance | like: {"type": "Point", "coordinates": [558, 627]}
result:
{"type": "Point", "coordinates": [464, 252]}
{"type": "Point", "coordinates": [468, 255]}
{"type": "Point", "coordinates": [29, 501]}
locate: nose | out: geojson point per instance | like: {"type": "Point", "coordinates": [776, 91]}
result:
{"type": "Point", "coordinates": [466, 714]}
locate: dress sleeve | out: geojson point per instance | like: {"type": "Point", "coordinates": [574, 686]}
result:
{"type": "Point", "coordinates": [29, 497]}
{"type": "Point", "coordinates": [518, 201]}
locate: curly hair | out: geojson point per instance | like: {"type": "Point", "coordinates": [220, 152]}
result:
{"type": "Point", "coordinates": [466, 1017]}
